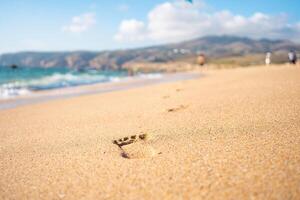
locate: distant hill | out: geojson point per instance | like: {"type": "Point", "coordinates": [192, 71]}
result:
{"type": "Point", "coordinates": [218, 49]}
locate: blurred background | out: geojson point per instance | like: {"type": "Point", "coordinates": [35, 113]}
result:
{"type": "Point", "coordinates": [53, 44]}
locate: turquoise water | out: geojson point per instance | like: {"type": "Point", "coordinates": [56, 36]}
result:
{"type": "Point", "coordinates": [20, 81]}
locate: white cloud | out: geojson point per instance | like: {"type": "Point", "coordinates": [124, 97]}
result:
{"type": "Point", "coordinates": [81, 23]}
{"type": "Point", "coordinates": [131, 30]}
{"type": "Point", "coordinates": [178, 20]}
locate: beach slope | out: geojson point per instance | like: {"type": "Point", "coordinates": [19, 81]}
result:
{"type": "Point", "coordinates": [230, 134]}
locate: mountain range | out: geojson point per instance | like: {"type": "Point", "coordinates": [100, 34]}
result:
{"type": "Point", "coordinates": [217, 49]}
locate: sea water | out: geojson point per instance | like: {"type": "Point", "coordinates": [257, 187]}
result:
{"type": "Point", "coordinates": [24, 80]}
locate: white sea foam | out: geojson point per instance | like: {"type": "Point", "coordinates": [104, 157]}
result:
{"type": "Point", "coordinates": [65, 80]}
{"type": "Point", "coordinates": [17, 88]}
{"type": "Point", "coordinates": [11, 90]}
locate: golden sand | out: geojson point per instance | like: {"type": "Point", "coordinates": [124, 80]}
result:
{"type": "Point", "coordinates": [233, 134]}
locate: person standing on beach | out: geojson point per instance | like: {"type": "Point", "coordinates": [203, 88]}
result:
{"type": "Point", "coordinates": [268, 58]}
{"type": "Point", "coordinates": [292, 57]}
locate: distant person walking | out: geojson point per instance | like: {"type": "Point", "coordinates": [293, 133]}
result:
{"type": "Point", "coordinates": [292, 57]}
{"type": "Point", "coordinates": [201, 59]}
{"type": "Point", "coordinates": [268, 58]}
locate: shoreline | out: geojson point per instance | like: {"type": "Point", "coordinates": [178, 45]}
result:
{"type": "Point", "coordinates": [98, 88]}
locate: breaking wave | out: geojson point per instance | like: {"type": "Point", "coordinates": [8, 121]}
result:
{"type": "Point", "coordinates": [24, 81]}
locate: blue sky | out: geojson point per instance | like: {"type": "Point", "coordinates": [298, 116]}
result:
{"type": "Point", "coordinates": [97, 25]}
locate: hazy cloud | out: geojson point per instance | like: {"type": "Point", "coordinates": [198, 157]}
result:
{"type": "Point", "coordinates": [81, 23]}
{"type": "Point", "coordinates": [178, 20]}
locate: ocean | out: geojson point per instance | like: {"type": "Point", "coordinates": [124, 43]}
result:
{"type": "Point", "coordinates": [24, 80]}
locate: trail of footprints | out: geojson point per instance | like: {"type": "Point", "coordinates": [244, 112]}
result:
{"type": "Point", "coordinates": [178, 108]}
{"type": "Point", "coordinates": [135, 146]}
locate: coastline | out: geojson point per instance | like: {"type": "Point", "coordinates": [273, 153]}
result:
{"type": "Point", "coordinates": [231, 134]}
{"type": "Point", "coordinates": [124, 84]}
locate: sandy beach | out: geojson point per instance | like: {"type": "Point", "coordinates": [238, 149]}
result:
{"type": "Point", "coordinates": [230, 134]}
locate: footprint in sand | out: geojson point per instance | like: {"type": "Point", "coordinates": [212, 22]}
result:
{"type": "Point", "coordinates": [181, 107]}
{"type": "Point", "coordinates": [135, 146]}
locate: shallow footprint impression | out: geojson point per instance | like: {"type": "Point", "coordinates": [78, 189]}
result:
{"type": "Point", "coordinates": [135, 147]}
{"type": "Point", "coordinates": [175, 109]}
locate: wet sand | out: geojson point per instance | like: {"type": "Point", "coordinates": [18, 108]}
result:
{"type": "Point", "coordinates": [232, 134]}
